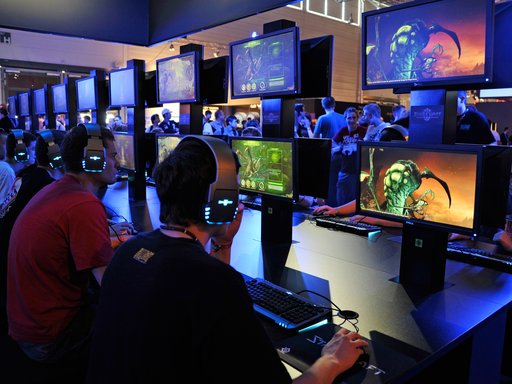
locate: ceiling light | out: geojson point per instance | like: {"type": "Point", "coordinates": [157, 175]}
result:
{"type": "Point", "coordinates": [216, 53]}
{"type": "Point", "coordinates": [171, 47]}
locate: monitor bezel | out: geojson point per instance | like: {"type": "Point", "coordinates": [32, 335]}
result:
{"type": "Point", "coordinates": [135, 88]}
{"type": "Point", "coordinates": [251, 192]}
{"type": "Point", "coordinates": [296, 59]}
{"type": "Point", "coordinates": [35, 93]}
{"type": "Point", "coordinates": [196, 61]}
{"type": "Point", "coordinates": [63, 86]}
{"type": "Point", "coordinates": [305, 74]}
{"type": "Point", "coordinates": [95, 82]}
{"type": "Point", "coordinates": [316, 168]}
{"type": "Point", "coordinates": [458, 148]}
{"type": "Point", "coordinates": [206, 88]}
{"type": "Point", "coordinates": [454, 83]}
{"type": "Point", "coordinates": [23, 95]}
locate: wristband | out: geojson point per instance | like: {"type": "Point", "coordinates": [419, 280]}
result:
{"type": "Point", "coordinates": [214, 247]}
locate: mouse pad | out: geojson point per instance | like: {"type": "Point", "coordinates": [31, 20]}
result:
{"type": "Point", "coordinates": [383, 361]}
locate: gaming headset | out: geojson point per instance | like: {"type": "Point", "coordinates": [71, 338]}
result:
{"type": "Point", "coordinates": [21, 154]}
{"type": "Point", "coordinates": [221, 202]}
{"type": "Point", "coordinates": [94, 152]}
{"type": "Point", "coordinates": [54, 156]}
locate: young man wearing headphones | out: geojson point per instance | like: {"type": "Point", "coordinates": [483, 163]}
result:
{"type": "Point", "coordinates": [49, 270]}
{"type": "Point", "coordinates": [171, 308]}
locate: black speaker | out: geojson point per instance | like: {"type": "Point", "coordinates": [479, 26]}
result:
{"type": "Point", "coordinates": [21, 154]}
{"type": "Point", "coordinates": [94, 152]}
{"type": "Point", "coordinates": [221, 202]}
{"type": "Point", "coordinates": [54, 156]}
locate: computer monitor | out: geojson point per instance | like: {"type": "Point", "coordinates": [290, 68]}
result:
{"type": "Point", "coordinates": [122, 88]}
{"type": "Point", "coordinates": [214, 80]}
{"type": "Point", "coordinates": [431, 185]}
{"type": "Point", "coordinates": [60, 98]}
{"type": "Point", "coordinates": [12, 102]}
{"type": "Point", "coordinates": [165, 144]}
{"type": "Point", "coordinates": [266, 65]}
{"type": "Point", "coordinates": [316, 57]}
{"type": "Point", "coordinates": [267, 166]}
{"type": "Point", "coordinates": [40, 101]}
{"type": "Point", "coordinates": [178, 78]}
{"type": "Point", "coordinates": [313, 166]}
{"type": "Point", "coordinates": [24, 103]}
{"type": "Point", "coordinates": [87, 94]}
{"type": "Point", "coordinates": [428, 44]}
{"type": "Point", "coordinates": [150, 90]}
{"type": "Point", "coordinates": [125, 145]}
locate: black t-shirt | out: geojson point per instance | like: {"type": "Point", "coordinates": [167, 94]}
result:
{"type": "Point", "coordinates": [7, 124]}
{"type": "Point", "coordinates": [473, 128]}
{"type": "Point", "coordinates": [182, 313]}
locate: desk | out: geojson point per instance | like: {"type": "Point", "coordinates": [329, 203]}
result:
{"type": "Point", "coordinates": [462, 327]}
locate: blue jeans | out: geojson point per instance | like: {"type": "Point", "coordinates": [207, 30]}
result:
{"type": "Point", "coordinates": [346, 187]}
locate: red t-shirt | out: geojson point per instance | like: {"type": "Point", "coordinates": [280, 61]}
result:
{"type": "Point", "coordinates": [58, 238]}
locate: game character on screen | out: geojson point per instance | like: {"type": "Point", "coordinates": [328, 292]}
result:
{"type": "Point", "coordinates": [156, 274]}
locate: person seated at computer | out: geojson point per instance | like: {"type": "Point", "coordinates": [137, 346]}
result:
{"type": "Point", "coordinates": [28, 146]}
{"type": "Point", "coordinates": [119, 125]}
{"type": "Point", "coordinates": [160, 286]}
{"type": "Point", "coordinates": [472, 125]}
{"type": "Point", "coordinates": [218, 124]}
{"type": "Point", "coordinates": [154, 127]}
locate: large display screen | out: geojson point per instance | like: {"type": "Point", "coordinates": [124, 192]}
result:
{"type": "Point", "coordinates": [122, 88]}
{"type": "Point", "coordinates": [11, 100]}
{"type": "Point", "coordinates": [24, 104]}
{"type": "Point", "coordinates": [178, 78]}
{"type": "Point", "coordinates": [86, 94]}
{"type": "Point", "coordinates": [428, 43]}
{"type": "Point", "coordinates": [165, 144]}
{"type": "Point", "coordinates": [266, 65]}
{"type": "Point", "coordinates": [125, 150]}
{"type": "Point", "coordinates": [434, 185]}
{"type": "Point", "coordinates": [60, 98]}
{"type": "Point", "coordinates": [266, 165]}
{"type": "Point", "coordinates": [40, 101]}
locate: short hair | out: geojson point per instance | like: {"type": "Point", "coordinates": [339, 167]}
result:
{"type": "Point", "coordinates": [350, 110]}
{"type": "Point", "coordinates": [373, 108]}
{"type": "Point", "coordinates": [10, 144]}
{"type": "Point", "coordinates": [208, 112]}
{"type": "Point", "coordinates": [299, 108]}
{"type": "Point", "coordinates": [218, 112]}
{"type": "Point", "coordinates": [251, 131]}
{"type": "Point", "coordinates": [182, 182]}
{"type": "Point", "coordinates": [397, 108]}
{"type": "Point", "coordinates": [42, 146]}
{"type": "Point", "coordinates": [328, 102]}
{"type": "Point", "coordinates": [87, 118]}
{"type": "Point", "coordinates": [3, 111]}
{"type": "Point", "coordinates": [252, 123]}
{"type": "Point", "coordinates": [230, 118]}
{"type": "Point", "coordinates": [154, 117]}
{"type": "Point", "coordinates": [72, 148]}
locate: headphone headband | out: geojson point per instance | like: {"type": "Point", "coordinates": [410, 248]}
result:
{"type": "Point", "coordinates": [221, 202]}
{"type": "Point", "coordinates": [54, 156]}
{"type": "Point", "coordinates": [94, 152]}
{"type": "Point", "coordinates": [21, 154]}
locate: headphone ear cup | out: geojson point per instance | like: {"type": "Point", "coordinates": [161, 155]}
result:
{"type": "Point", "coordinates": [221, 201]}
{"type": "Point", "coordinates": [21, 154]}
{"type": "Point", "coordinates": [94, 158]}
{"type": "Point", "coordinates": [54, 157]}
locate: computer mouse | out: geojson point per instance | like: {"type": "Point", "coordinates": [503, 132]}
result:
{"type": "Point", "coordinates": [318, 214]}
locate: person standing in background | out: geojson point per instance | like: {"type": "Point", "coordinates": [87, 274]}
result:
{"type": "Point", "coordinates": [504, 137]}
{"type": "Point", "coordinates": [328, 124]}
{"type": "Point", "coordinates": [168, 125]}
{"type": "Point", "coordinates": [218, 123]}
{"type": "Point", "coordinates": [472, 126]}
{"type": "Point", "coordinates": [302, 123]}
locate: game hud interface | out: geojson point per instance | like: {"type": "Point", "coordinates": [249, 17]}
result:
{"type": "Point", "coordinates": [419, 184]}
{"type": "Point", "coordinates": [265, 65]}
{"type": "Point", "coordinates": [267, 166]}
{"type": "Point", "coordinates": [426, 42]}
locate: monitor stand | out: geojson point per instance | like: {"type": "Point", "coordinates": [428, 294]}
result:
{"type": "Point", "coordinates": [423, 257]}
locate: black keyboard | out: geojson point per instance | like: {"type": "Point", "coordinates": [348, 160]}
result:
{"type": "Point", "coordinates": [346, 225]}
{"type": "Point", "coordinates": [285, 308]}
{"type": "Point", "coordinates": [480, 253]}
